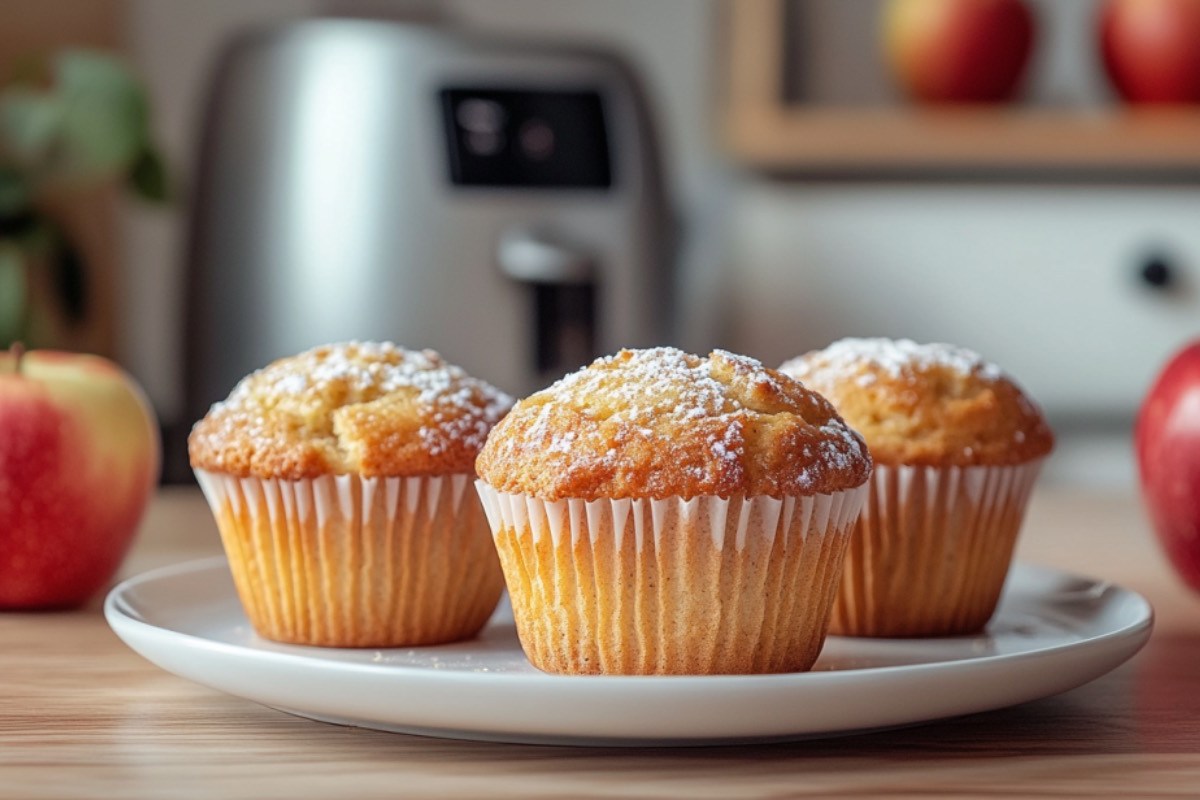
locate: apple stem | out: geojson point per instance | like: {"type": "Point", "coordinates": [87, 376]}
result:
{"type": "Point", "coordinates": [18, 352]}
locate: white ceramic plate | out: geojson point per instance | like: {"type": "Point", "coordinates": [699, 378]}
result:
{"type": "Point", "coordinates": [1053, 632]}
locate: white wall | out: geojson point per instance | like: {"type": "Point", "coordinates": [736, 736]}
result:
{"type": "Point", "coordinates": [1043, 279]}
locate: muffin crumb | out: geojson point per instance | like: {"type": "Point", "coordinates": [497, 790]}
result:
{"type": "Point", "coordinates": [370, 408]}
{"type": "Point", "coordinates": [660, 423]}
{"type": "Point", "coordinates": [926, 404]}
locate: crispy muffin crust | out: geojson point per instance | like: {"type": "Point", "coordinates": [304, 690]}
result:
{"type": "Point", "coordinates": [926, 405]}
{"type": "Point", "coordinates": [374, 409]}
{"type": "Point", "coordinates": [662, 423]}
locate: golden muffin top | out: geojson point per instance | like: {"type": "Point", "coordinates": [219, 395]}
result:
{"type": "Point", "coordinates": [369, 408]}
{"type": "Point", "coordinates": [926, 404]}
{"type": "Point", "coordinates": [661, 423]}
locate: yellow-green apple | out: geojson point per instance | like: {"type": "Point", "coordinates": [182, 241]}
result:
{"type": "Point", "coordinates": [1167, 440]}
{"type": "Point", "coordinates": [957, 51]}
{"type": "Point", "coordinates": [1151, 49]}
{"type": "Point", "coordinates": [79, 456]}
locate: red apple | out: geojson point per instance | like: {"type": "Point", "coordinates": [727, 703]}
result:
{"type": "Point", "coordinates": [79, 457]}
{"type": "Point", "coordinates": [958, 51]}
{"type": "Point", "coordinates": [1167, 439]}
{"type": "Point", "coordinates": [1151, 49]}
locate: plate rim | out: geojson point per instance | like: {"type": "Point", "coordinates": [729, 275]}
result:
{"type": "Point", "coordinates": [118, 613]}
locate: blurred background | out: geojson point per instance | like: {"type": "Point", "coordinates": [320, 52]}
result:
{"type": "Point", "coordinates": [524, 184]}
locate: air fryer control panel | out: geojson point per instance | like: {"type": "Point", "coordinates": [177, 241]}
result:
{"type": "Point", "coordinates": [526, 138]}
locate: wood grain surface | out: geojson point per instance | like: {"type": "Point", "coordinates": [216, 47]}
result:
{"type": "Point", "coordinates": [83, 716]}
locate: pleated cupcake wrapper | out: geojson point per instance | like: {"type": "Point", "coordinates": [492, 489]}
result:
{"type": "Point", "coordinates": [931, 550]}
{"type": "Point", "coordinates": [347, 561]}
{"type": "Point", "coordinates": [699, 586]}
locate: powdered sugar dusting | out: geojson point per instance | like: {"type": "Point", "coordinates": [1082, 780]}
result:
{"type": "Point", "coordinates": [649, 376]}
{"type": "Point", "coordinates": [841, 447]}
{"type": "Point", "coordinates": [378, 367]}
{"type": "Point", "coordinates": [607, 417]}
{"type": "Point", "coordinates": [660, 386]}
{"type": "Point", "coordinates": [752, 368]}
{"type": "Point", "coordinates": [458, 406]}
{"type": "Point", "coordinates": [862, 359]}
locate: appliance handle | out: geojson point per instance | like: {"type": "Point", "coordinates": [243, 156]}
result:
{"type": "Point", "coordinates": [532, 258]}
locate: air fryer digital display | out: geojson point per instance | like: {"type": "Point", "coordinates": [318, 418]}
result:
{"type": "Point", "coordinates": [517, 138]}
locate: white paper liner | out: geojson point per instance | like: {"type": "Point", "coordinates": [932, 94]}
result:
{"type": "Point", "coordinates": [931, 549]}
{"type": "Point", "coordinates": [707, 516]}
{"type": "Point", "coordinates": [675, 586]}
{"type": "Point", "coordinates": [343, 560]}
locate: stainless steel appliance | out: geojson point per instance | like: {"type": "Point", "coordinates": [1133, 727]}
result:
{"type": "Point", "coordinates": [499, 202]}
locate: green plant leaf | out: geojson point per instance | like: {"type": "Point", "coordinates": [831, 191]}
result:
{"type": "Point", "coordinates": [13, 295]}
{"type": "Point", "coordinates": [148, 176]}
{"type": "Point", "coordinates": [30, 125]}
{"type": "Point", "coordinates": [104, 121]}
{"type": "Point", "coordinates": [14, 193]}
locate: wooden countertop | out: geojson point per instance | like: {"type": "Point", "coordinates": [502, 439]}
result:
{"type": "Point", "coordinates": [83, 716]}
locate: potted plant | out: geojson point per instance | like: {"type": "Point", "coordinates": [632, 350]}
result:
{"type": "Point", "coordinates": [73, 127]}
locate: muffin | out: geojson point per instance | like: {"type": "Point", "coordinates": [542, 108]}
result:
{"type": "Point", "coordinates": [339, 482]}
{"type": "Point", "coordinates": [957, 447]}
{"type": "Point", "coordinates": [661, 513]}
